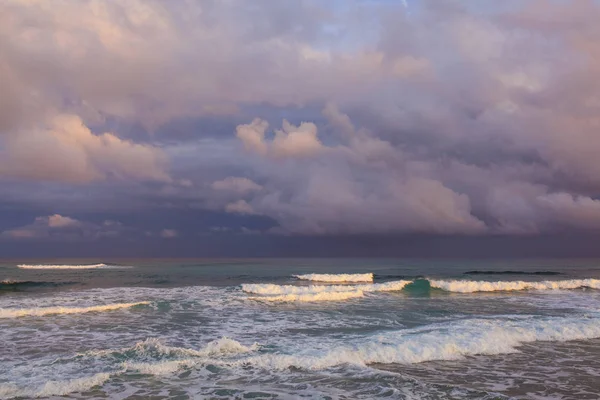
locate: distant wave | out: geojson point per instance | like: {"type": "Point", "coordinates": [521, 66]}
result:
{"type": "Point", "coordinates": [9, 284]}
{"type": "Point", "coordinates": [283, 293]}
{"type": "Point", "coordinates": [464, 286]}
{"type": "Point", "coordinates": [42, 311]}
{"type": "Point", "coordinates": [310, 297]}
{"type": "Point", "coordinates": [478, 272]}
{"type": "Point", "coordinates": [337, 277]}
{"type": "Point", "coordinates": [88, 266]}
{"type": "Point", "coordinates": [270, 289]}
{"type": "Point", "coordinates": [450, 342]}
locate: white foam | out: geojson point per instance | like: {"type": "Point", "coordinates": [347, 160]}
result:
{"type": "Point", "coordinates": [448, 342]}
{"type": "Point", "coordinates": [310, 297]}
{"type": "Point", "coordinates": [336, 277]}
{"type": "Point", "coordinates": [89, 266]}
{"type": "Point", "coordinates": [160, 368]}
{"type": "Point", "coordinates": [42, 311]}
{"type": "Point", "coordinates": [270, 289]}
{"type": "Point", "coordinates": [464, 286]}
{"type": "Point", "coordinates": [55, 388]}
{"type": "Point", "coordinates": [154, 348]}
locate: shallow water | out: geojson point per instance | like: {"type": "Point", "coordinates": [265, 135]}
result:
{"type": "Point", "coordinates": [252, 329]}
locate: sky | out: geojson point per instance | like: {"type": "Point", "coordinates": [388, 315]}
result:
{"type": "Point", "coordinates": [234, 128]}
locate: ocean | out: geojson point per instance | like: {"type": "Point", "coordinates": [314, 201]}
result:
{"type": "Point", "coordinates": [300, 329]}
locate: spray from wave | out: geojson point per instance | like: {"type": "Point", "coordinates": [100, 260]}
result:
{"type": "Point", "coordinates": [84, 266]}
{"type": "Point", "coordinates": [337, 277]}
{"type": "Point", "coordinates": [463, 286]}
{"type": "Point", "coordinates": [42, 311]}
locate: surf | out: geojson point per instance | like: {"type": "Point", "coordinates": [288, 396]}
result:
{"type": "Point", "coordinates": [43, 311]}
{"type": "Point", "coordinates": [466, 286]}
{"type": "Point", "coordinates": [451, 341]}
{"type": "Point", "coordinates": [67, 266]}
{"type": "Point", "coordinates": [336, 277]}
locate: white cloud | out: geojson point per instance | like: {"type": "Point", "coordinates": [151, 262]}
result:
{"type": "Point", "coordinates": [236, 184]}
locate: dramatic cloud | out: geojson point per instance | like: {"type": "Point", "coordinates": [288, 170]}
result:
{"type": "Point", "coordinates": [67, 151]}
{"type": "Point", "coordinates": [302, 117]}
{"type": "Point", "coordinates": [290, 141]}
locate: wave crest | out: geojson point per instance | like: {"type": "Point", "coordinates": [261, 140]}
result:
{"type": "Point", "coordinates": [88, 266]}
{"type": "Point", "coordinates": [55, 388]}
{"type": "Point", "coordinates": [42, 311]}
{"type": "Point", "coordinates": [464, 286]}
{"type": "Point", "coordinates": [454, 342]}
{"type": "Point", "coordinates": [337, 277]}
{"type": "Point", "coordinates": [310, 297]}
{"type": "Point", "coordinates": [271, 289]}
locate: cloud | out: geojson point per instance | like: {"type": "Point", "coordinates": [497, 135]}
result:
{"type": "Point", "coordinates": [461, 118]}
{"type": "Point", "coordinates": [236, 184]}
{"type": "Point", "coordinates": [59, 227]}
{"type": "Point", "coordinates": [239, 207]}
{"type": "Point", "coordinates": [67, 151]}
{"type": "Point", "coordinates": [290, 141]}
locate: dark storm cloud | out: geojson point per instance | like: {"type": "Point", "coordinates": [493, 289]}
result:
{"type": "Point", "coordinates": [302, 117]}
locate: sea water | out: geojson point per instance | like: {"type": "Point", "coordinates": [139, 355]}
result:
{"type": "Point", "coordinates": [300, 329]}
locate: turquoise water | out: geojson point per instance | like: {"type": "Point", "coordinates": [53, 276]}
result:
{"type": "Point", "coordinates": [195, 329]}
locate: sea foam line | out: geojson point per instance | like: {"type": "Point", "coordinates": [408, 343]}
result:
{"type": "Point", "coordinates": [42, 311]}
{"type": "Point", "coordinates": [310, 297]}
{"type": "Point", "coordinates": [463, 286]}
{"type": "Point", "coordinates": [271, 289]}
{"type": "Point", "coordinates": [336, 277]}
{"type": "Point", "coordinates": [88, 266]}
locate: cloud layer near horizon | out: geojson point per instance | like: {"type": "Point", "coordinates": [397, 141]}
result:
{"type": "Point", "coordinates": [321, 118]}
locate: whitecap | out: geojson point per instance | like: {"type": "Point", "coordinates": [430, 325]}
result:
{"type": "Point", "coordinates": [271, 289]}
{"type": "Point", "coordinates": [445, 342]}
{"type": "Point", "coordinates": [310, 297]}
{"type": "Point", "coordinates": [42, 311]}
{"type": "Point", "coordinates": [465, 286]}
{"type": "Point", "coordinates": [54, 388]}
{"type": "Point", "coordinates": [337, 277]}
{"type": "Point", "coordinates": [84, 266]}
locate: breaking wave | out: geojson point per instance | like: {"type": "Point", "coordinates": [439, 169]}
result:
{"type": "Point", "coordinates": [42, 311]}
{"type": "Point", "coordinates": [54, 388]}
{"type": "Point", "coordinates": [271, 289]}
{"type": "Point", "coordinates": [152, 348]}
{"type": "Point", "coordinates": [315, 296]}
{"type": "Point", "coordinates": [464, 286]}
{"type": "Point", "coordinates": [84, 266]}
{"type": "Point", "coordinates": [479, 272]}
{"type": "Point", "coordinates": [337, 277]}
{"type": "Point", "coordinates": [449, 342]}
